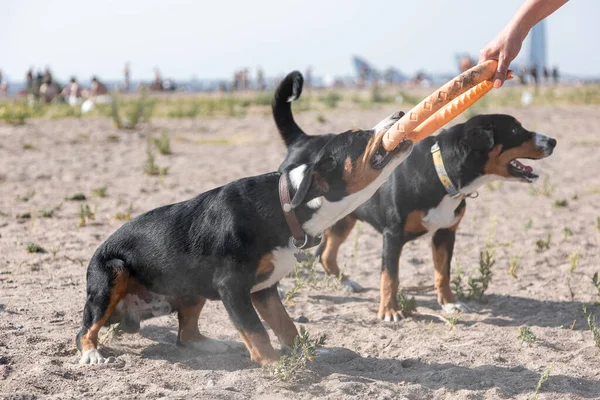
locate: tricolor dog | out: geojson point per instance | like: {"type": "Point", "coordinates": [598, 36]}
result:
{"type": "Point", "coordinates": [426, 194]}
{"type": "Point", "coordinates": [232, 243]}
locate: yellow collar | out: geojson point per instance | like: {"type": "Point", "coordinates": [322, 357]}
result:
{"type": "Point", "coordinates": [438, 162]}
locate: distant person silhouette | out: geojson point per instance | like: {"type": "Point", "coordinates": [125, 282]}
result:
{"type": "Point", "coordinates": [507, 43]}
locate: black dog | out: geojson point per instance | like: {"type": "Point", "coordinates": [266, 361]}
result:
{"type": "Point", "coordinates": [425, 194]}
{"type": "Point", "coordinates": [231, 243]}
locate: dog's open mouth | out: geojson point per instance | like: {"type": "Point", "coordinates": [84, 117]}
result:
{"type": "Point", "coordinates": [520, 170]}
{"type": "Point", "coordinates": [383, 157]}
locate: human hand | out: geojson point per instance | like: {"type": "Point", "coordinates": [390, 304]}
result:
{"type": "Point", "coordinates": [504, 48]}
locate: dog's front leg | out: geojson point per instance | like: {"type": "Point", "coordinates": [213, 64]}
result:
{"type": "Point", "coordinates": [388, 305]}
{"type": "Point", "coordinates": [268, 304]}
{"type": "Point", "coordinates": [235, 295]}
{"type": "Point", "coordinates": [442, 246]}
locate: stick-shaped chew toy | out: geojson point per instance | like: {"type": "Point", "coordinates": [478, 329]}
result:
{"type": "Point", "coordinates": [425, 118]}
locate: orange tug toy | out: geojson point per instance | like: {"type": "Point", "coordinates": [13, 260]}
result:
{"type": "Point", "coordinates": [443, 105]}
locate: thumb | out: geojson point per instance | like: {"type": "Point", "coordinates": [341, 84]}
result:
{"type": "Point", "coordinates": [501, 71]}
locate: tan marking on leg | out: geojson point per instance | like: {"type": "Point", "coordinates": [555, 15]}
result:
{"type": "Point", "coordinates": [89, 341]}
{"type": "Point", "coordinates": [275, 315]}
{"type": "Point", "coordinates": [333, 241]}
{"type": "Point", "coordinates": [259, 347]}
{"type": "Point", "coordinates": [414, 222]}
{"type": "Point", "coordinates": [188, 322]}
{"type": "Point", "coordinates": [388, 305]}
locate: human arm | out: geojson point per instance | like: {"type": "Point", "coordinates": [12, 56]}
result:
{"type": "Point", "coordinates": [506, 45]}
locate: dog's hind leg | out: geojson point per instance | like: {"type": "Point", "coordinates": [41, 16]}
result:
{"type": "Point", "coordinates": [106, 286]}
{"type": "Point", "coordinates": [188, 313]}
{"type": "Point", "coordinates": [268, 304]}
{"type": "Point", "coordinates": [333, 238]}
{"type": "Point", "coordinates": [235, 295]}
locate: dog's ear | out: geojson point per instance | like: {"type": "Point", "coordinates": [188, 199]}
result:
{"type": "Point", "coordinates": [479, 137]}
{"type": "Point", "coordinates": [314, 182]}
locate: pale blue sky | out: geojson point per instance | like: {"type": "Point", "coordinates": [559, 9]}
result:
{"type": "Point", "coordinates": [209, 39]}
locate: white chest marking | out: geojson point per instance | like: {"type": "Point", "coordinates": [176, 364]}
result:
{"type": "Point", "coordinates": [283, 263]}
{"type": "Point", "coordinates": [441, 216]}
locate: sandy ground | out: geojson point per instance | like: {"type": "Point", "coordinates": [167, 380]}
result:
{"type": "Point", "coordinates": [42, 295]}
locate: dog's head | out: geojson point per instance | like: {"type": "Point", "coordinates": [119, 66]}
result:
{"type": "Point", "coordinates": [493, 145]}
{"type": "Point", "coordinates": [346, 172]}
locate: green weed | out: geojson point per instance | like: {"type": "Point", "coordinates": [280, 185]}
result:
{"type": "Point", "coordinates": [304, 350]}
{"type": "Point", "coordinates": [542, 245]}
{"type": "Point", "coordinates": [34, 248]}
{"type": "Point", "coordinates": [526, 335]}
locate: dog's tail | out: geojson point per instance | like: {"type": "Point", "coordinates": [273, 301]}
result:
{"type": "Point", "coordinates": [288, 90]}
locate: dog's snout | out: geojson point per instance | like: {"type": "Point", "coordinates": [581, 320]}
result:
{"type": "Point", "coordinates": [552, 142]}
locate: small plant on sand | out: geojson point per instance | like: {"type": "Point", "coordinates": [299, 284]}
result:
{"type": "Point", "coordinates": [305, 275]}
{"type": "Point", "coordinates": [124, 216]}
{"type": "Point", "coordinates": [476, 286]}
{"type": "Point", "coordinates": [598, 223]}
{"type": "Point", "coordinates": [574, 261]}
{"type": "Point", "coordinates": [85, 215]}
{"type": "Point", "coordinates": [457, 283]}
{"type": "Point", "coordinates": [407, 306]}
{"type": "Point", "coordinates": [452, 320]}
{"type": "Point", "coordinates": [561, 203]}
{"type": "Point", "coordinates": [567, 232]}
{"type": "Point", "coordinates": [543, 378]}
{"type": "Point", "coordinates": [546, 190]}
{"type": "Point", "coordinates": [54, 250]}
{"type": "Point", "coordinates": [592, 324]}
{"type": "Point", "coordinates": [77, 197]}
{"type": "Point", "coordinates": [526, 335]}
{"type": "Point", "coordinates": [163, 143]}
{"type": "Point", "coordinates": [34, 248]}
{"type": "Point", "coordinates": [27, 146]}
{"type": "Point", "coordinates": [49, 213]}
{"type": "Point", "coordinates": [528, 224]}
{"type": "Point", "coordinates": [543, 244]}
{"type": "Point", "coordinates": [139, 111]}
{"type": "Point", "coordinates": [596, 282]}
{"type": "Point", "coordinates": [304, 350]}
{"type": "Point", "coordinates": [101, 191]}
{"type": "Point", "coordinates": [115, 110]}
{"type": "Point", "coordinates": [513, 265]}
{"type": "Point", "coordinates": [150, 166]}
{"type": "Point", "coordinates": [26, 215]}
{"type": "Point", "coordinates": [26, 197]}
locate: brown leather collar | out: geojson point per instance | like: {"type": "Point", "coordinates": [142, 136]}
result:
{"type": "Point", "coordinates": [301, 239]}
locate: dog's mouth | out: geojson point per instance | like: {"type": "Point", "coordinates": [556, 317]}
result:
{"type": "Point", "coordinates": [382, 157]}
{"type": "Point", "coordinates": [519, 170]}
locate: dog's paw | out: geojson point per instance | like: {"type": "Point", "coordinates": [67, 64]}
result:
{"type": "Point", "coordinates": [458, 307]}
{"type": "Point", "coordinates": [94, 357]}
{"type": "Point", "coordinates": [351, 286]}
{"type": "Point", "coordinates": [390, 315]}
{"type": "Point", "coordinates": [215, 346]}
